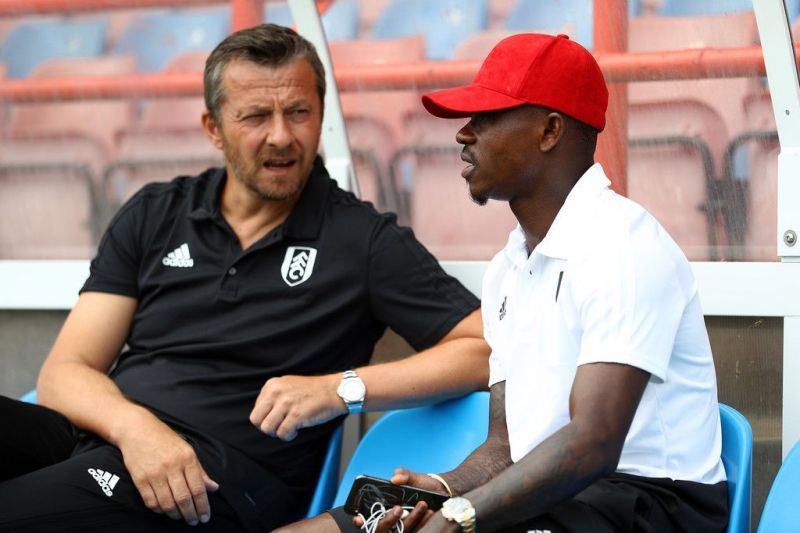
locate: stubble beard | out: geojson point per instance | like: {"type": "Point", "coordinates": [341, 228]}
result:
{"type": "Point", "coordinates": [479, 199]}
{"type": "Point", "coordinates": [247, 177]}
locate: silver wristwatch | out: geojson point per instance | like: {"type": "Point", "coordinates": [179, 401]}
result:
{"type": "Point", "coordinates": [460, 511]}
{"type": "Point", "coordinates": [353, 391]}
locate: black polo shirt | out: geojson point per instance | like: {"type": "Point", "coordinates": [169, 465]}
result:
{"type": "Point", "coordinates": [214, 322]}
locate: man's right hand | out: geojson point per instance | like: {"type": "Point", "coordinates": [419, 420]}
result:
{"type": "Point", "coordinates": [166, 471]}
{"type": "Point", "coordinates": [402, 476]}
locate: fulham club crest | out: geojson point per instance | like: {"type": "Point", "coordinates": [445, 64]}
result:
{"type": "Point", "coordinates": [298, 264]}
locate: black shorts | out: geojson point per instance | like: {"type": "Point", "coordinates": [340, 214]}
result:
{"type": "Point", "coordinates": [53, 478]}
{"type": "Point", "coordinates": [623, 503]}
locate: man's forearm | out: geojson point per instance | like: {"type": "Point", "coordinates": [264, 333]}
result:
{"type": "Point", "coordinates": [490, 458]}
{"type": "Point", "coordinates": [452, 368]}
{"type": "Point", "coordinates": [557, 469]}
{"type": "Point", "coordinates": [90, 400]}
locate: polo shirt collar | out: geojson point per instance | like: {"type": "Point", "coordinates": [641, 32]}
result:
{"type": "Point", "coordinates": [564, 234]}
{"type": "Point", "coordinates": [303, 222]}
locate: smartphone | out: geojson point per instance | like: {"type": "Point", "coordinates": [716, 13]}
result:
{"type": "Point", "coordinates": [367, 490]}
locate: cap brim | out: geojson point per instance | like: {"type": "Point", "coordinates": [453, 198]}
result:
{"type": "Point", "coordinates": [460, 102]}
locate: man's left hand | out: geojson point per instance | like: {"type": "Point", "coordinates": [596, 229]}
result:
{"type": "Point", "coordinates": [289, 403]}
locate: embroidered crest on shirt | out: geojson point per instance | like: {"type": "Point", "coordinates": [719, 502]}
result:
{"type": "Point", "coordinates": [503, 308]}
{"type": "Point", "coordinates": [298, 264]}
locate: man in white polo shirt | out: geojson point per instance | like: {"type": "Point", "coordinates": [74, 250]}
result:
{"type": "Point", "coordinates": [604, 412]}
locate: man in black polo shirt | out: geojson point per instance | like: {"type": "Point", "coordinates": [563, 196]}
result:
{"type": "Point", "coordinates": [246, 296]}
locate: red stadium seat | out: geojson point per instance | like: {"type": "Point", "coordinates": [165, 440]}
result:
{"type": "Point", "coordinates": [674, 33]}
{"type": "Point", "coordinates": [683, 99]}
{"type": "Point", "coordinates": [167, 141]}
{"type": "Point", "coordinates": [672, 174]}
{"type": "Point", "coordinates": [760, 143]}
{"type": "Point", "coordinates": [375, 119]}
{"type": "Point", "coordinates": [51, 154]}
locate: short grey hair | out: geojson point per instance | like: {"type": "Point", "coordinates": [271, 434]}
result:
{"type": "Point", "coordinates": [268, 45]}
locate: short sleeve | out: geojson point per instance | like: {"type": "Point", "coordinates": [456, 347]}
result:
{"type": "Point", "coordinates": [115, 268]}
{"type": "Point", "coordinates": [408, 289]}
{"type": "Point", "coordinates": [630, 300]}
{"type": "Point", "coordinates": [497, 371]}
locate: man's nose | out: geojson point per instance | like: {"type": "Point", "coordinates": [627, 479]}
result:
{"type": "Point", "coordinates": [465, 135]}
{"type": "Point", "coordinates": [280, 133]}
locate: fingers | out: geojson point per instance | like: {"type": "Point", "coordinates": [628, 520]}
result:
{"type": "Point", "coordinates": [417, 517]}
{"type": "Point", "coordinates": [211, 485]}
{"type": "Point", "coordinates": [194, 505]}
{"type": "Point", "coordinates": [390, 520]}
{"type": "Point", "coordinates": [412, 520]}
{"type": "Point", "coordinates": [179, 490]}
{"type": "Point", "coordinates": [280, 422]}
{"type": "Point", "coordinates": [402, 476]}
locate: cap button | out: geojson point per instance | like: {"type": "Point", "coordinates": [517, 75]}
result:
{"type": "Point", "coordinates": [564, 35]}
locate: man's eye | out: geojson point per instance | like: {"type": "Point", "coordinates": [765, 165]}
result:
{"type": "Point", "coordinates": [299, 113]}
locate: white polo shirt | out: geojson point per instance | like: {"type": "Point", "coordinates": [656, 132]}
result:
{"type": "Point", "coordinates": [607, 284]}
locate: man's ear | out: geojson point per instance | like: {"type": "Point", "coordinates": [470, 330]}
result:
{"type": "Point", "coordinates": [212, 129]}
{"type": "Point", "coordinates": [553, 129]}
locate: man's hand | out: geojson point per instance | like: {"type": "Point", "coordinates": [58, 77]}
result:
{"type": "Point", "coordinates": [412, 521]}
{"type": "Point", "coordinates": [289, 403]}
{"type": "Point", "coordinates": [167, 473]}
{"type": "Point", "coordinates": [401, 476]}
{"type": "Point", "coordinates": [420, 515]}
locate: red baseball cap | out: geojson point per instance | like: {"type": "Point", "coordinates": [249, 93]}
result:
{"type": "Point", "coordinates": [530, 68]}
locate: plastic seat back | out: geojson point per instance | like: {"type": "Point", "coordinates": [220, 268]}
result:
{"type": "Point", "coordinates": [29, 397]}
{"type": "Point", "coordinates": [780, 509]}
{"type": "Point", "coordinates": [328, 476]}
{"type": "Point", "coordinates": [444, 23]}
{"type": "Point", "coordinates": [737, 457]}
{"type": "Point", "coordinates": [693, 8]}
{"type": "Point", "coordinates": [434, 438]}
{"type": "Point", "coordinates": [155, 39]}
{"type": "Point", "coordinates": [31, 43]}
{"type": "Point", "coordinates": [532, 14]}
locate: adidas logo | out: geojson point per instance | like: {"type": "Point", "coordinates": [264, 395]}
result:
{"type": "Point", "coordinates": [179, 258]}
{"type": "Point", "coordinates": [106, 480]}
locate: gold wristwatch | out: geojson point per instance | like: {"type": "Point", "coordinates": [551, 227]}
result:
{"type": "Point", "coordinates": [460, 511]}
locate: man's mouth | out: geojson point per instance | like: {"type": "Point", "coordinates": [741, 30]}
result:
{"type": "Point", "coordinates": [279, 163]}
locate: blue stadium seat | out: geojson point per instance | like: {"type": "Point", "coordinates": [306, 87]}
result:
{"type": "Point", "coordinates": [29, 396]}
{"type": "Point", "coordinates": [31, 43]}
{"type": "Point", "coordinates": [444, 23]}
{"type": "Point", "coordinates": [693, 8]}
{"type": "Point", "coordinates": [341, 20]}
{"type": "Point", "coordinates": [536, 15]}
{"type": "Point", "coordinates": [780, 510]}
{"type": "Point", "coordinates": [279, 14]}
{"type": "Point", "coordinates": [737, 457]}
{"type": "Point", "coordinates": [434, 438]}
{"type": "Point", "coordinates": [328, 477]}
{"type": "Point", "coordinates": [157, 38]}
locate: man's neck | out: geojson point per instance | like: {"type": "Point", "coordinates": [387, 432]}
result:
{"type": "Point", "coordinates": [249, 215]}
{"type": "Point", "coordinates": [537, 212]}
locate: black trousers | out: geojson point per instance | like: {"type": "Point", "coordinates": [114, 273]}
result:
{"type": "Point", "coordinates": [53, 479]}
{"type": "Point", "coordinates": [623, 503]}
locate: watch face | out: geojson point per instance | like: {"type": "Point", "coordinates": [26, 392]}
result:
{"type": "Point", "coordinates": [457, 506]}
{"type": "Point", "coordinates": [353, 390]}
